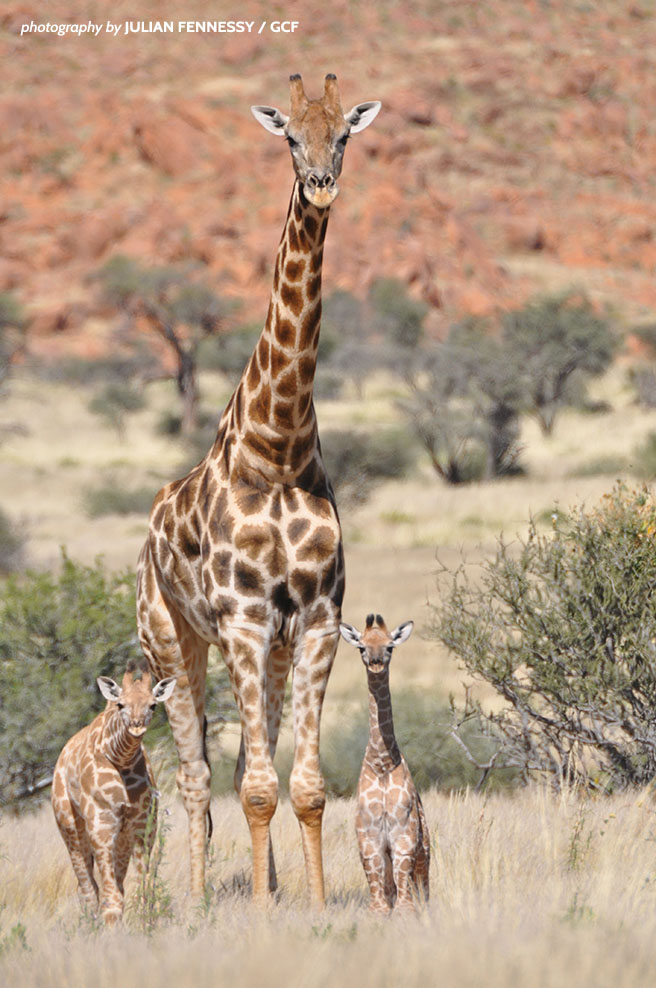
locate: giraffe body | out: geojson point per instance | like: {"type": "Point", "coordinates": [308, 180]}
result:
{"type": "Point", "coordinates": [246, 551]}
{"type": "Point", "coordinates": [103, 792]}
{"type": "Point", "coordinates": [390, 823]}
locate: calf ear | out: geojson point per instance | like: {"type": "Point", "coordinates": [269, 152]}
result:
{"type": "Point", "coordinates": [109, 689]}
{"type": "Point", "coordinates": [362, 115]}
{"type": "Point", "coordinates": [350, 634]}
{"type": "Point", "coordinates": [163, 689]}
{"type": "Point", "coordinates": [402, 633]}
{"type": "Point", "coordinates": [271, 119]}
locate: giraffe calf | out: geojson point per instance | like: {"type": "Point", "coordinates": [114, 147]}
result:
{"type": "Point", "coordinates": [103, 791]}
{"type": "Point", "coordinates": [390, 822]}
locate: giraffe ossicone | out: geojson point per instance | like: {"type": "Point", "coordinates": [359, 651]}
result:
{"type": "Point", "coordinates": [103, 792]}
{"type": "Point", "coordinates": [390, 824]}
{"type": "Point", "coordinates": [245, 552]}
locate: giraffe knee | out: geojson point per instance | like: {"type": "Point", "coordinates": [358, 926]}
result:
{"type": "Point", "coordinates": [112, 915]}
{"type": "Point", "coordinates": [259, 796]}
{"type": "Point", "coordinates": [308, 798]}
{"type": "Point", "coordinates": [193, 779]}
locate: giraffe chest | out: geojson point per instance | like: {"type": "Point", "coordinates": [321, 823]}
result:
{"type": "Point", "coordinates": [94, 781]}
{"type": "Point", "coordinates": [260, 554]}
{"type": "Point", "coordinates": [386, 802]}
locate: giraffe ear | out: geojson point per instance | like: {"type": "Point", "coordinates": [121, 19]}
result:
{"type": "Point", "coordinates": [362, 115]}
{"type": "Point", "coordinates": [163, 689]}
{"type": "Point", "coordinates": [402, 633]}
{"type": "Point", "coordinates": [109, 689]}
{"type": "Point", "coordinates": [350, 634]}
{"type": "Point", "coordinates": [271, 119]}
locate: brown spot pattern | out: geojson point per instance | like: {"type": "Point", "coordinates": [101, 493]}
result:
{"type": "Point", "coordinates": [292, 297]}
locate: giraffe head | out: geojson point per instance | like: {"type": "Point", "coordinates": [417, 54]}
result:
{"type": "Point", "coordinates": [136, 699]}
{"type": "Point", "coordinates": [317, 131]}
{"type": "Point", "coordinates": [376, 643]}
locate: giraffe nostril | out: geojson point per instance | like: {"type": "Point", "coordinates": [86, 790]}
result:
{"type": "Point", "coordinates": [328, 181]}
{"type": "Point", "coordinates": [313, 180]}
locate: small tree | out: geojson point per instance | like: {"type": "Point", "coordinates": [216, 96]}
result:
{"type": "Point", "coordinates": [115, 402]}
{"type": "Point", "coordinates": [466, 395]}
{"type": "Point", "coordinates": [441, 418]}
{"type": "Point", "coordinates": [563, 627]}
{"type": "Point", "coordinates": [182, 312]}
{"type": "Point", "coordinates": [495, 388]}
{"type": "Point", "coordinates": [13, 324]}
{"type": "Point", "coordinates": [554, 340]}
{"type": "Point", "coordinates": [397, 316]}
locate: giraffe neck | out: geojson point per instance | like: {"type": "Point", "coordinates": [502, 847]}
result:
{"type": "Point", "coordinates": [382, 752]}
{"type": "Point", "coordinates": [117, 744]}
{"type": "Point", "coordinates": [273, 405]}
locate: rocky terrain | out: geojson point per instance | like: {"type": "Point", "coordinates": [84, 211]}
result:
{"type": "Point", "coordinates": [515, 153]}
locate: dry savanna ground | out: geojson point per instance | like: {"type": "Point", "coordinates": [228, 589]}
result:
{"type": "Point", "coordinates": [525, 890]}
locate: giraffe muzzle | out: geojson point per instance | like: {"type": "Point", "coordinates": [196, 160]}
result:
{"type": "Point", "coordinates": [320, 190]}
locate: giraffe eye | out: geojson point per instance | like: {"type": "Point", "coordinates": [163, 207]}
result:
{"type": "Point", "coordinates": [292, 143]}
{"type": "Point", "coordinates": [120, 706]}
{"type": "Point", "coordinates": [153, 706]}
{"type": "Point", "coordinates": [341, 142]}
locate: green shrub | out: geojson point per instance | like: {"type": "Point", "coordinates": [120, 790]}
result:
{"type": "Point", "coordinates": [115, 402]}
{"type": "Point", "coordinates": [397, 315]}
{"type": "Point", "coordinates": [644, 458]}
{"type": "Point", "coordinates": [113, 499]}
{"type": "Point", "coordinates": [12, 544]}
{"type": "Point", "coordinates": [563, 627]}
{"type": "Point", "coordinates": [229, 352]}
{"type": "Point", "coordinates": [357, 461]}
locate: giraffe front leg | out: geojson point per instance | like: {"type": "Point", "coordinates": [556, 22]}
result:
{"type": "Point", "coordinates": [111, 894]}
{"type": "Point", "coordinates": [313, 662]}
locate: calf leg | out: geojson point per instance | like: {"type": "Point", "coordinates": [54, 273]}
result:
{"type": "Point", "coordinates": [111, 892]}
{"type": "Point", "coordinates": [377, 868]}
{"type": "Point", "coordinates": [404, 866]}
{"type": "Point", "coordinates": [72, 829]}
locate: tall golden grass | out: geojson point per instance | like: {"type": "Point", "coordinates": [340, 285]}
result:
{"type": "Point", "coordinates": [528, 889]}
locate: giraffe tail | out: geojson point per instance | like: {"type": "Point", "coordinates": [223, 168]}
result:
{"type": "Point", "coordinates": [210, 824]}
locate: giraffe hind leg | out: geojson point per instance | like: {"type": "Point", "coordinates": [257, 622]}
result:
{"type": "Point", "coordinates": [73, 832]}
{"type": "Point", "coordinates": [174, 649]}
{"type": "Point", "coordinates": [422, 863]}
{"type": "Point", "coordinates": [389, 883]}
{"type": "Point", "coordinates": [378, 871]}
{"type": "Point", "coordinates": [210, 822]}
{"type": "Point", "coordinates": [278, 666]}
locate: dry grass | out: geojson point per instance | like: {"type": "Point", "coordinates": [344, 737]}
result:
{"type": "Point", "coordinates": [525, 890]}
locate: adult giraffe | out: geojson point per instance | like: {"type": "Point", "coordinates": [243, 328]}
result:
{"type": "Point", "coordinates": [246, 550]}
